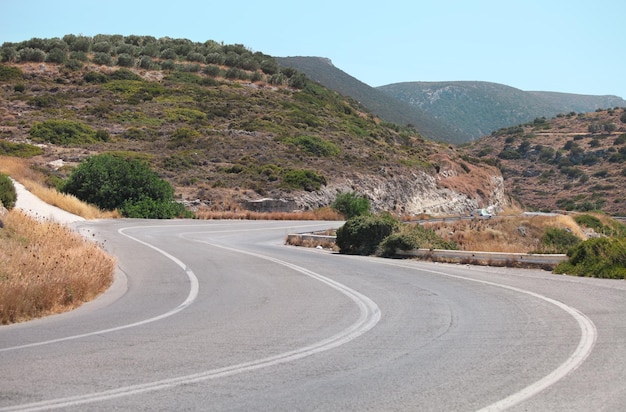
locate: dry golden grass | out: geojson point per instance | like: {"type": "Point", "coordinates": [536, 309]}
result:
{"type": "Point", "coordinates": [318, 214]}
{"type": "Point", "coordinates": [512, 234]}
{"type": "Point", "coordinates": [46, 268]}
{"type": "Point", "coordinates": [20, 170]}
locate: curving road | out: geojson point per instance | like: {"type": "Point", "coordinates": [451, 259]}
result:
{"type": "Point", "coordinates": [220, 315]}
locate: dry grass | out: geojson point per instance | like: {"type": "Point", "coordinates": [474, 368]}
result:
{"type": "Point", "coordinates": [519, 234]}
{"type": "Point", "coordinates": [46, 268]}
{"type": "Point", "coordinates": [21, 170]}
{"type": "Point", "coordinates": [318, 214]}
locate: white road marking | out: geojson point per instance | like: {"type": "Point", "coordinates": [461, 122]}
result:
{"type": "Point", "coordinates": [369, 316]}
{"type": "Point", "coordinates": [191, 297]}
{"type": "Point", "coordinates": [588, 337]}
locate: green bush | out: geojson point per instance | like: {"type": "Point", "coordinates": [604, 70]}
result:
{"type": "Point", "coordinates": [351, 204]}
{"type": "Point", "coordinates": [95, 77]}
{"type": "Point", "coordinates": [555, 240]}
{"type": "Point", "coordinates": [589, 221]}
{"type": "Point", "coordinates": [361, 235]}
{"type": "Point", "coordinates": [599, 257]}
{"type": "Point", "coordinates": [114, 182]}
{"type": "Point", "coordinates": [303, 179]}
{"type": "Point", "coordinates": [410, 237]}
{"type": "Point", "coordinates": [63, 132]}
{"type": "Point", "coordinates": [8, 196]}
{"type": "Point", "coordinates": [315, 145]}
{"type": "Point", "coordinates": [8, 73]}
{"type": "Point", "coordinates": [153, 209]}
{"type": "Point", "coordinates": [103, 59]}
{"type": "Point", "coordinates": [19, 149]}
{"type": "Point", "coordinates": [124, 74]}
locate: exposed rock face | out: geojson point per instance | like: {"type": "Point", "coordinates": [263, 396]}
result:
{"type": "Point", "coordinates": [456, 189]}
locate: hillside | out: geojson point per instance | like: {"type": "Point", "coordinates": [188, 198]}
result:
{"type": "Point", "coordinates": [479, 108]}
{"type": "Point", "coordinates": [225, 126]}
{"type": "Point", "coordinates": [376, 101]}
{"type": "Point", "coordinates": [572, 162]}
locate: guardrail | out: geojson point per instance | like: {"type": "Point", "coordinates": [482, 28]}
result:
{"type": "Point", "coordinates": [455, 255]}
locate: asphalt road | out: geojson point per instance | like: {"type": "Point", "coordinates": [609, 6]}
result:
{"type": "Point", "coordinates": [220, 315]}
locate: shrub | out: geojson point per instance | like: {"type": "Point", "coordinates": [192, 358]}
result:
{"type": "Point", "coordinates": [410, 237]}
{"type": "Point", "coordinates": [103, 59]}
{"type": "Point", "coordinates": [599, 257]}
{"type": "Point", "coordinates": [124, 74]}
{"type": "Point", "coordinates": [153, 209]}
{"type": "Point", "coordinates": [63, 132]}
{"type": "Point", "coordinates": [95, 77]}
{"type": "Point", "coordinates": [316, 146]}
{"type": "Point", "coordinates": [361, 235]}
{"type": "Point", "coordinates": [74, 65]}
{"type": "Point", "coordinates": [32, 55]}
{"type": "Point", "coordinates": [589, 221]}
{"type": "Point", "coordinates": [555, 240]}
{"type": "Point", "coordinates": [8, 196]}
{"type": "Point", "coordinates": [351, 204]}
{"type": "Point", "coordinates": [113, 182]}
{"type": "Point", "coordinates": [303, 179]}
{"type": "Point", "coordinates": [19, 149]}
{"type": "Point", "coordinates": [56, 56]}
{"type": "Point", "coordinates": [10, 73]}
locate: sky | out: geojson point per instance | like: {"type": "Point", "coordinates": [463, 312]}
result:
{"type": "Point", "coordinates": [547, 45]}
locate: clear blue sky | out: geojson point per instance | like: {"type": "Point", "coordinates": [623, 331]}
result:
{"type": "Point", "coordinates": [550, 45]}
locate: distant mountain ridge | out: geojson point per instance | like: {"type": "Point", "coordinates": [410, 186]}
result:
{"type": "Point", "coordinates": [455, 111]}
{"type": "Point", "coordinates": [387, 107]}
{"type": "Point", "coordinates": [479, 108]}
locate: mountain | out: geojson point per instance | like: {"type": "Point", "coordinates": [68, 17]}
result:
{"type": "Point", "coordinates": [383, 105]}
{"type": "Point", "coordinates": [478, 108]}
{"type": "Point", "coordinates": [223, 125]}
{"type": "Point", "coordinates": [571, 162]}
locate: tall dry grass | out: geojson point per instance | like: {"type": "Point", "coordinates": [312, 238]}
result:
{"type": "Point", "coordinates": [21, 170]}
{"type": "Point", "coordinates": [511, 234]}
{"type": "Point", "coordinates": [46, 268]}
{"type": "Point", "coordinates": [325, 213]}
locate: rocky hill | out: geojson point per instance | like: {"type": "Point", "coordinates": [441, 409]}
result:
{"type": "Point", "coordinates": [454, 112]}
{"type": "Point", "coordinates": [225, 126]}
{"type": "Point", "coordinates": [376, 101]}
{"type": "Point", "coordinates": [479, 108]}
{"type": "Point", "coordinates": [571, 162]}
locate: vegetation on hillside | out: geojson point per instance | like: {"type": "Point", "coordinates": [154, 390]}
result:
{"type": "Point", "coordinates": [221, 123]}
{"type": "Point", "coordinates": [8, 196]}
{"type": "Point", "coordinates": [572, 162]}
{"type": "Point", "coordinates": [113, 182]}
{"type": "Point", "coordinates": [477, 109]}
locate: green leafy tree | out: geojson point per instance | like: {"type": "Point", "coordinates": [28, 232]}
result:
{"type": "Point", "coordinates": [351, 204]}
{"type": "Point", "coordinates": [125, 60]}
{"type": "Point", "coordinates": [32, 55]}
{"type": "Point", "coordinates": [56, 56]}
{"type": "Point", "coordinates": [113, 182]}
{"type": "Point", "coordinates": [8, 196]}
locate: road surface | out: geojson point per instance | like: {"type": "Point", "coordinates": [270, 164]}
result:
{"type": "Point", "coordinates": [220, 315]}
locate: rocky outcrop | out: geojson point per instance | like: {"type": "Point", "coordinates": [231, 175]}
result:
{"type": "Point", "coordinates": [456, 188]}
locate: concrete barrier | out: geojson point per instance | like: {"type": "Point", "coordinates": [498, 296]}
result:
{"type": "Point", "coordinates": [499, 257]}
{"type": "Point", "coordinates": [455, 255]}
